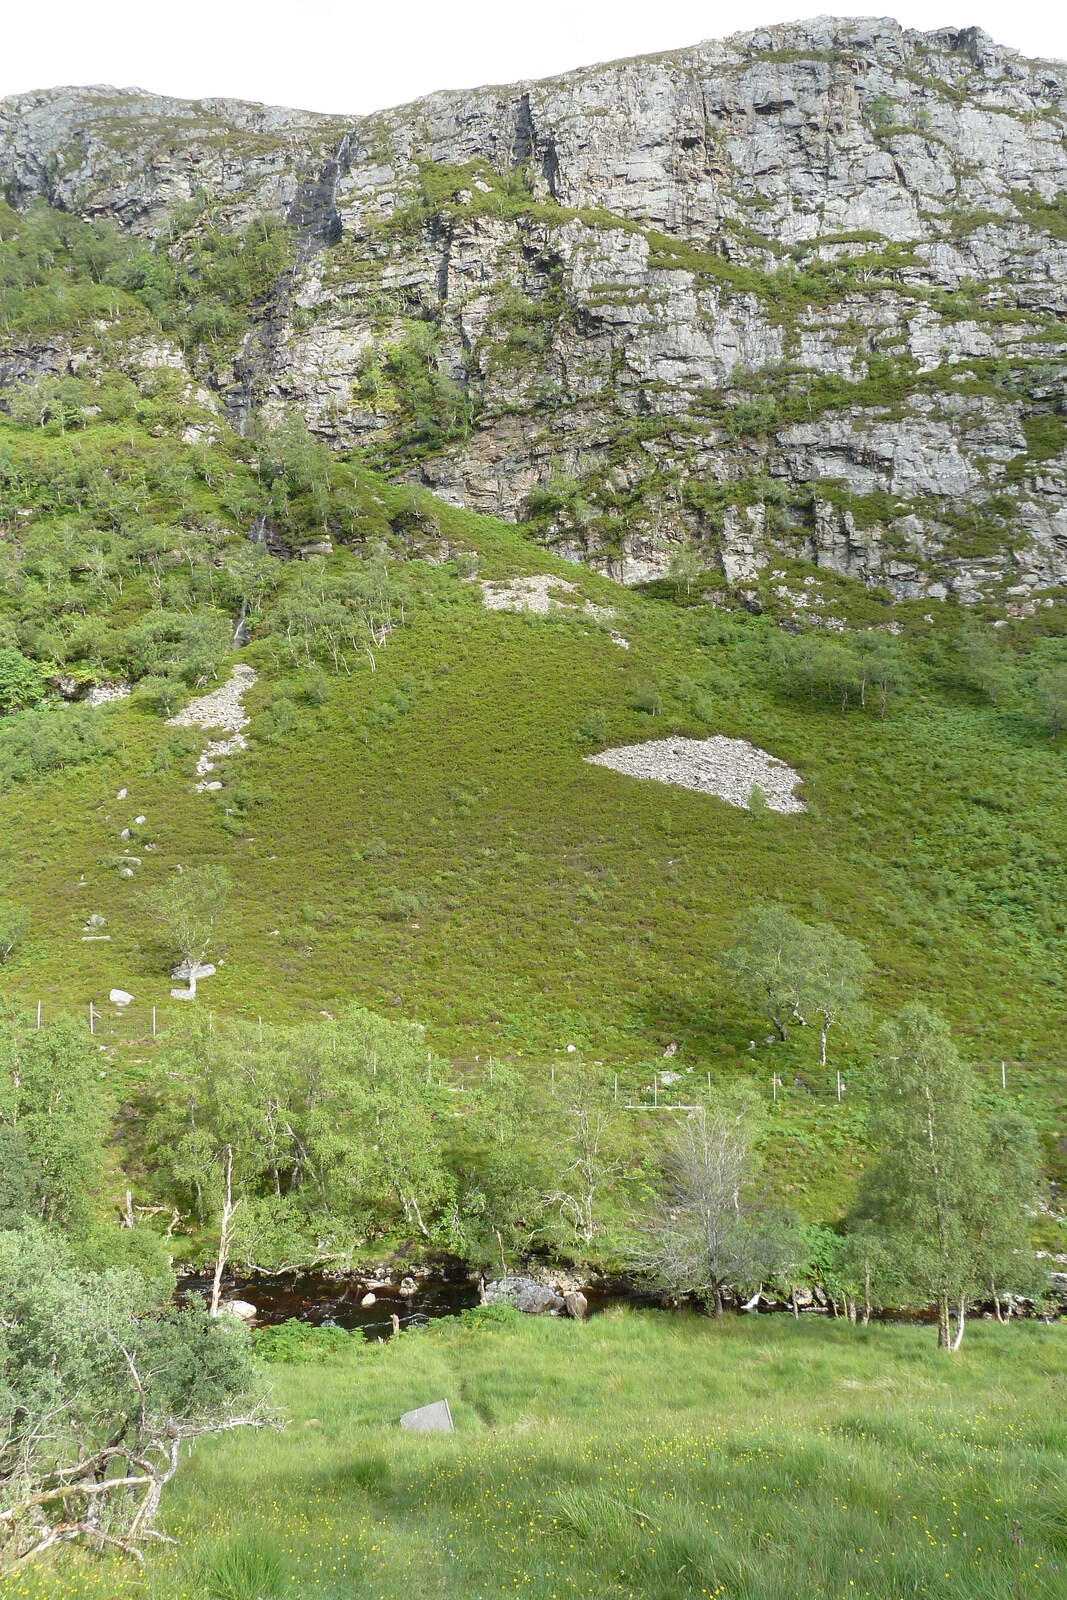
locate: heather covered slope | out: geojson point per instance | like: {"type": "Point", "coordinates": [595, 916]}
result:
{"type": "Point", "coordinates": [427, 837]}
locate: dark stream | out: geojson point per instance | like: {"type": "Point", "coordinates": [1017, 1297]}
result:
{"type": "Point", "coordinates": [327, 1302]}
{"type": "Point", "coordinates": [336, 1302]}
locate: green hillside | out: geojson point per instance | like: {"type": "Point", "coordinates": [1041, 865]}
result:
{"type": "Point", "coordinates": [426, 836]}
{"type": "Point", "coordinates": [413, 824]}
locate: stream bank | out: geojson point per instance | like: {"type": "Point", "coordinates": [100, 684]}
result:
{"type": "Point", "coordinates": [369, 1304]}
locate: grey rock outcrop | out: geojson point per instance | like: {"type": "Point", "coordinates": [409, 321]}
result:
{"type": "Point", "coordinates": [525, 1294]}
{"type": "Point", "coordinates": [797, 294]}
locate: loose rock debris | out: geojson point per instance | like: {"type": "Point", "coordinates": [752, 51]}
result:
{"type": "Point", "coordinates": [222, 708]}
{"type": "Point", "coordinates": [524, 594]}
{"type": "Point", "coordinates": [728, 768]}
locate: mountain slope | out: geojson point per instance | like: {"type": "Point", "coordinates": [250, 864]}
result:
{"type": "Point", "coordinates": [239, 348]}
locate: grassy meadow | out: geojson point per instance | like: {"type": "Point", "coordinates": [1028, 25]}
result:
{"type": "Point", "coordinates": [639, 1455]}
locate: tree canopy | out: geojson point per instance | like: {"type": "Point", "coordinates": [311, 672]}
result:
{"type": "Point", "coordinates": [793, 970]}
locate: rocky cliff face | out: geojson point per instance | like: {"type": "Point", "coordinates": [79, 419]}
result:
{"type": "Point", "coordinates": [796, 297]}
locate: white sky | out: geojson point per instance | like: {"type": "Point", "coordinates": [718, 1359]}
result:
{"type": "Point", "coordinates": [356, 57]}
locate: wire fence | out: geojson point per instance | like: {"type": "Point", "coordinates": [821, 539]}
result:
{"type": "Point", "coordinates": [667, 1085]}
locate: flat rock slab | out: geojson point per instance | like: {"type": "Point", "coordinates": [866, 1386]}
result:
{"type": "Point", "coordinates": [728, 768]}
{"type": "Point", "coordinates": [434, 1418]}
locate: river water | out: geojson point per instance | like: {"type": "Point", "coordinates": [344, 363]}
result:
{"type": "Point", "coordinates": [327, 1302]}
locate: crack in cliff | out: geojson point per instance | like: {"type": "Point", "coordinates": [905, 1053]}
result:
{"type": "Point", "coordinates": [527, 145]}
{"type": "Point", "coordinates": [316, 222]}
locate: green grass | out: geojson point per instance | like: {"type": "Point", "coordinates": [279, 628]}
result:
{"type": "Point", "coordinates": [638, 1455]}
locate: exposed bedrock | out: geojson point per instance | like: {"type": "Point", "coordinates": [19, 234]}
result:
{"type": "Point", "coordinates": [799, 294]}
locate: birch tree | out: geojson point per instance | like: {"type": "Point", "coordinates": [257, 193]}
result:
{"type": "Point", "coordinates": [951, 1210]}
{"type": "Point", "coordinates": [836, 971]}
{"type": "Point", "coordinates": [584, 1125]}
{"type": "Point", "coordinates": [403, 1106]}
{"type": "Point", "coordinates": [13, 921]}
{"type": "Point", "coordinates": [102, 1392]}
{"type": "Point", "coordinates": [191, 908]}
{"type": "Point", "coordinates": [795, 971]}
{"type": "Point", "coordinates": [711, 1231]}
{"type": "Point", "coordinates": [767, 964]}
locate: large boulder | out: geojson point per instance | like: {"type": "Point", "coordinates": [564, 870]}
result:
{"type": "Point", "coordinates": [525, 1294]}
{"type": "Point", "coordinates": [244, 1309]}
{"type": "Point", "coordinates": [187, 970]}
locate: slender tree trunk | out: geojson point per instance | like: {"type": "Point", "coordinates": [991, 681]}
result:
{"type": "Point", "coordinates": [866, 1290]}
{"type": "Point", "coordinates": [411, 1209]}
{"type": "Point", "coordinates": [996, 1303]}
{"type": "Point", "coordinates": [961, 1316]}
{"type": "Point", "coordinates": [718, 1301]}
{"type": "Point", "coordinates": [944, 1341]}
{"type": "Point", "coordinates": [793, 1298]}
{"type": "Point", "coordinates": [850, 1303]}
{"type": "Point", "coordinates": [822, 1043]}
{"type": "Point", "coordinates": [225, 1233]}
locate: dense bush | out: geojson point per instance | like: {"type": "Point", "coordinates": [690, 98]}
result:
{"type": "Point", "coordinates": [295, 1343]}
{"type": "Point", "coordinates": [21, 682]}
{"type": "Point", "coordinates": [43, 741]}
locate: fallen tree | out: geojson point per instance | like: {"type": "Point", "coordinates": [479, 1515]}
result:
{"type": "Point", "coordinates": [102, 1390]}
